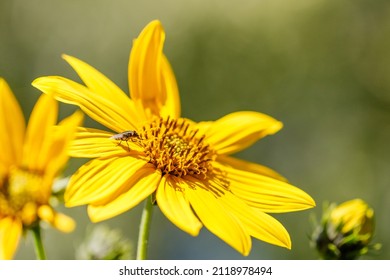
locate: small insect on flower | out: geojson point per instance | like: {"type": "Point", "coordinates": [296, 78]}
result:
{"type": "Point", "coordinates": [125, 136]}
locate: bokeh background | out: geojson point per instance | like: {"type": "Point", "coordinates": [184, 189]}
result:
{"type": "Point", "coordinates": [322, 67]}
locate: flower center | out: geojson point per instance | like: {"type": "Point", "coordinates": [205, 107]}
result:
{"type": "Point", "coordinates": [20, 193]}
{"type": "Point", "coordinates": [176, 148]}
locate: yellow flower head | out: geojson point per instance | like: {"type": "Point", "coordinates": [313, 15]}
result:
{"type": "Point", "coordinates": [153, 150]}
{"type": "Point", "coordinates": [30, 160]}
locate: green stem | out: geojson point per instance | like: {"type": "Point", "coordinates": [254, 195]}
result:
{"type": "Point", "coordinates": [39, 250]}
{"type": "Point", "coordinates": [144, 229]}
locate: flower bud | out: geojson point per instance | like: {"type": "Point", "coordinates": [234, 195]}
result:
{"type": "Point", "coordinates": [345, 231]}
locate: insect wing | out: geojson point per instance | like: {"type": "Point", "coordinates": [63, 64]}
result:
{"type": "Point", "coordinates": [124, 136]}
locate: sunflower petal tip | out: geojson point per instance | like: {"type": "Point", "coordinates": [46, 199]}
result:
{"type": "Point", "coordinates": [154, 25]}
{"type": "Point", "coordinates": [306, 201]}
{"type": "Point", "coordinates": [288, 243]}
{"type": "Point", "coordinates": [245, 254]}
{"type": "Point", "coordinates": [36, 82]}
{"type": "Point", "coordinates": [41, 84]}
{"type": "Point", "coordinates": [68, 58]}
{"type": "Point", "coordinates": [156, 22]}
{"type": "Point", "coordinates": [195, 232]}
{"type": "Point", "coordinates": [310, 202]}
{"type": "Point", "coordinates": [96, 216]}
{"type": "Point", "coordinates": [278, 125]}
{"type": "Point", "coordinates": [93, 219]}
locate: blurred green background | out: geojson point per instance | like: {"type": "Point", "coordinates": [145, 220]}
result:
{"type": "Point", "coordinates": [322, 67]}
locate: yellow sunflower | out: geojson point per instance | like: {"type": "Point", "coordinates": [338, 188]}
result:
{"type": "Point", "coordinates": [30, 160]}
{"type": "Point", "coordinates": [185, 165]}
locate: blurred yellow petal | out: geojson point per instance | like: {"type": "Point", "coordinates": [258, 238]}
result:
{"type": "Point", "coordinates": [56, 155]}
{"type": "Point", "coordinates": [101, 85]}
{"type": "Point", "coordinates": [46, 213]}
{"type": "Point", "coordinates": [99, 108]}
{"type": "Point", "coordinates": [173, 203]}
{"type": "Point", "coordinates": [237, 131]}
{"type": "Point", "coordinates": [10, 233]}
{"type": "Point", "coordinates": [39, 131]}
{"type": "Point", "coordinates": [57, 220]}
{"type": "Point", "coordinates": [217, 220]}
{"type": "Point", "coordinates": [151, 79]}
{"type": "Point", "coordinates": [147, 183]}
{"type": "Point", "coordinates": [91, 143]}
{"type": "Point", "coordinates": [265, 193]}
{"type": "Point", "coordinates": [249, 167]}
{"type": "Point", "coordinates": [12, 127]}
{"type": "Point", "coordinates": [64, 223]}
{"type": "Point", "coordinates": [29, 161]}
{"type": "Point", "coordinates": [102, 179]}
{"type": "Point", "coordinates": [29, 213]}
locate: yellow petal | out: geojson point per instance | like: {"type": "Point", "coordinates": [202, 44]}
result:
{"type": "Point", "coordinates": [10, 232]}
{"type": "Point", "coordinates": [259, 225]}
{"type": "Point", "coordinates": [217, 219]}
{"type": "Point", "coordinates": [39, 132]}
{"type": "Point", "coordinates": [265, 193]}
{"type": "Point", "coordinates": [56, 155]}
{"type": "Point", "coordinates": [12, 127]}
{"type": "Point", "coordinates": [57, 220]}
{"type": "Point", "coordinates": [46, 213]}
{"type": "Point", "coordinates": [353, 214]}
{"type": "Point", "coordinates": [64, 223]}
{"type": "Point", "coordinates": [250, 167]}
{"type": "Point", "coordinates": [99, 108]}
{"type": "Point", "coordinates": [173, 203]}
{"type": "Point", "coordinates": [170, 92]}
{"type": "Point", "coordinates": [202, 127]}
{"type": "Point", "coordinates": [28, 215]}
{"type": "Point", "coordinates": [101, 85]}
{"type": "Point", "coordinates": [151, 79]}
{"type": "Point", "coordinates": [237, 131]}
{"type": "Point", "coordinates": [102, 179]}
{"type": "Point", "coordinates": [145, 63]}
{"type": "Point", "coordinates": [91, 143]}
{"type": "Point", "coordinates": [148, 180]}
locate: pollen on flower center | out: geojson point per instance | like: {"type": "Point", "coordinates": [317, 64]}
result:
{"type": "Point", "coordinates": [20, 190]}
{"type": "Point", "coordinates": [175, 148]}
